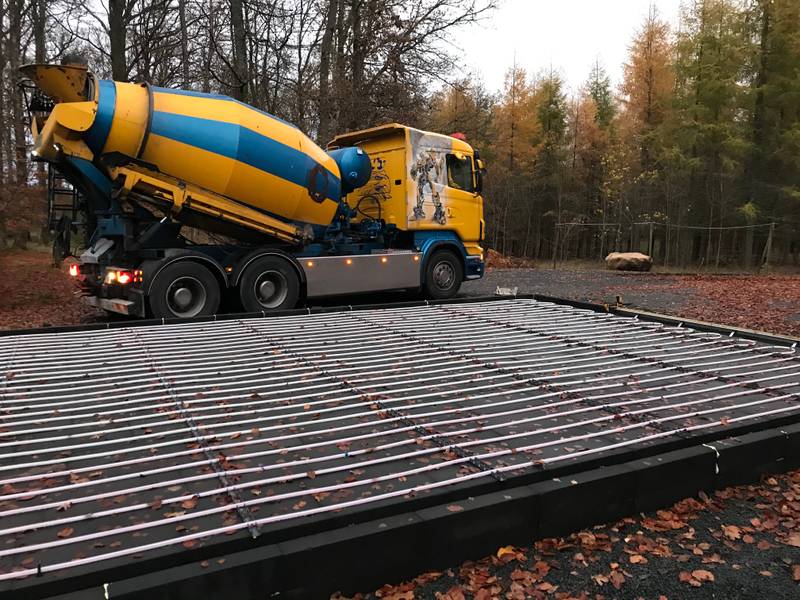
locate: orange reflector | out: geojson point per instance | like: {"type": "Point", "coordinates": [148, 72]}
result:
{"type": "Point", "coordinates": [310, 263]}
{"type": "Point", "coordinates": [384, 259]}
{"type": "Point", "coordinates": [74, 271]}
{"type": "Point", "coordinates": [349, 261]}
{"type": "Point", "coordinates": [416, 258]}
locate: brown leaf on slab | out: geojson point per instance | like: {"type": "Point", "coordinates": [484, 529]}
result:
{"type": "Point", "coordinates": [796, 572]}
{"type": "Point", "coordinates": [455, 508]}
{"type": "Point", "coordinates": [189, 543]}
{"type": "Point", "coordinates": [66, 532]}
{"type": "Point", "coordinates": [189, 503]}
{"type": "Point", "coordinates": [155, 504]}
{"type": "Point", "coordinates": [311, 474]}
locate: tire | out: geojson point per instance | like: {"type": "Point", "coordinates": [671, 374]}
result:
{"type": "Point", "coordinates": [443, 275]}
{"type": "Point", "coordinates": [269, 283]}
{"type": "Point", "coordinates": [184, 290]}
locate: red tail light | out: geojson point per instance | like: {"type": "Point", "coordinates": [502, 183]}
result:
{"type": "Point", "coordinates": [74, 270]}
{"type": "Point", "coordinates": [123, 277]}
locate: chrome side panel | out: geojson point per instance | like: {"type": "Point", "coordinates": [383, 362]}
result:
{"type": "Point", "coordinates": [338, 275]}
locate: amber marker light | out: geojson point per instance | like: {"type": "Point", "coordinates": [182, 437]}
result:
{"type": "Point", "coordinates": [310, 263]}
{"type": "Point", "coordinates": [384, 259]}
{"type": "Point", "coordinates": [349, 261]}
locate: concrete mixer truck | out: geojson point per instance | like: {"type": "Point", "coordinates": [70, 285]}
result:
{"type": "Point", "coordinates": [192, 202]}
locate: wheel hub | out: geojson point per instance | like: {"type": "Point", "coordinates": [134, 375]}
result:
{"type": "Point", "coordinates": [443, 275]}
{"type": "Point", "coordinates": [271, 289]}
{"type": "Point", "coordinates": [182, 297]}
{"type": "Point", "coordinates": [186, 297]}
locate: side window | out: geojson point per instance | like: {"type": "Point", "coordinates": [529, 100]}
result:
{"type": "Point", "coordinates": [459, 172]}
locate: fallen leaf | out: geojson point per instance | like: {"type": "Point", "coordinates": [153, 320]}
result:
{"type": "Point", "coordinates": [66, 532]}
{"type": "Point", "coordinates": [637, 559]}
{"type": "Point", "coordinates": [731, 532]}
{"type": "Point", "coordinates": [617, 579]}
{"type": "Point", "coordinates": [189, 503]}
{"type": "Point", "coordinates": [793, 539]}
{"type": "Point", "coordinates": [455, 508]}
{"type": "Point", "coordinates": [703, 575]}
{"type": "Point", "coordinates": [505, 550]}
{"type": "Point", "coordinates": [796, 572]}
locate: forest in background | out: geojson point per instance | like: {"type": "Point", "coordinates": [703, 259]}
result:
{"type": "Point", "coordinates": [691, 157]}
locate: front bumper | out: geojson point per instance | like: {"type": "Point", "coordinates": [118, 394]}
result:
{"type": "Point", "coordinates": [474, 267]}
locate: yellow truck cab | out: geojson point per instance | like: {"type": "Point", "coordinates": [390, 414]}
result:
{"type": "Point", "coordinates": [422, 182]}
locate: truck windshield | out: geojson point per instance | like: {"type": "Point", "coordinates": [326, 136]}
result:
{"type": "Point", "coordinates": [459, 172]}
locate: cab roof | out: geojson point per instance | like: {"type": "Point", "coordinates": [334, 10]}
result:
{"type": "Point", "coordinates": [353, 138]}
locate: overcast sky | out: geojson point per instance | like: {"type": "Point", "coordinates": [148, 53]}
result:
{"type": "Point", "coordinates": [567, 34]}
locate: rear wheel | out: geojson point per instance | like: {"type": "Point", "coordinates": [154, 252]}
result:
{"type": "Point", "coordinates": [184, 289]}
{"type": "Point", "coordinates": [443, 275]}
{"type": "Point", "coordinates": [269, 283]}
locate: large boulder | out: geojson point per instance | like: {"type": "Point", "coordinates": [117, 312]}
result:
{"type": "Point", "coordinates": [629, 261]}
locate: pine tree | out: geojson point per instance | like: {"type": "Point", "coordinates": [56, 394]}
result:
{"type": "Point", "coordinates": [599, 89]}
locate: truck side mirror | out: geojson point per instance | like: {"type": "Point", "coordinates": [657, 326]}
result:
{"type": "Point", "coordinates": [479, 170]}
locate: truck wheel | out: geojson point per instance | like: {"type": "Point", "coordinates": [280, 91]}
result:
{"type": "Point", "coordinates": [184, 289]}
{"type": "Point", "coordinates": [443, 275]}
{"type": "Point", "coordinates": [269, 283]}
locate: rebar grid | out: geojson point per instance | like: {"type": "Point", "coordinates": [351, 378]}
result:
{"type": "Point", "coordinates": [160, 432]}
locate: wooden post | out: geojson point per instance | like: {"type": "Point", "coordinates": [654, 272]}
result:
{"type": "Point", "coordinates": [650, 243]}
{"type": "Point", "coordinates": [768, 249]}
{"type": "Point", "coordinates": [555, 243]}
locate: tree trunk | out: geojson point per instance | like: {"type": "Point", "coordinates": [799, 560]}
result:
{"type": "Point", "coordinates": [5, 132]}
{"type": "Point", "coordinates": [40, 44]}
{"type": "Point", "coordinates": [184, 43]}
{"type": "Point", "coordinates": [116, 38]}
{"type": "Point", "coordinates": [324, 132]}
{"type": "Point", "coordinates": [241, 76]}
{"type": "Point", "coordinates": [15, 9]}
{"type": "Point", "coordinates": [357, 64]}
